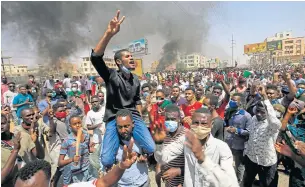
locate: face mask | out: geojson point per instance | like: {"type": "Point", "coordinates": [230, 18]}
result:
{"type": "Point", "coordinates": [53, 94]}
{"type": "Point", "coordinates": [145, 94]}
{"type": "Point", "coordinates": [206, 107]}
{"type": "Point", "coordinates": [4, 81]}
{"type": "Point", "coordinates": [275, 101]}
{"type": "Point", "coordinates": [171, 125]}
{"type": "Point", "coordinates": [60, 115]}
{"type": "Point", "coordinates": [299, 92]}
{"type": "Point", "coordinates": [201, 131]}
{"type": "Point", "coordinates": [95, 108]}
{"type": "Point", "coordinates": [125, 70]}
{"type": "Point", "coordinates": [233, 104]}
{"type": "Point", "coordinates": [102, 102]}
{"type": "Point", "coordinates": [74, 89]}
{"type": "Point", "coordinates": [278, 114]}
{"type": "Point", "coordinates": [160, 101]}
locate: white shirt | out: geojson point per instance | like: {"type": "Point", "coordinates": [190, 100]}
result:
{"type": "Point", "coordinates": [94, 118]}
{"type": "Point", "coordinates": [8, 97]}
{"type": "Point", "coordinates": [216, 170]}
{"type": "Point", "coordinates": [67, 84]}
{"type": "Point", "coordinates": [79, 85]}
{"type": "Point", "coordinates": [262, 135]}
{"type": "Point", "coordinates": [84, 184]}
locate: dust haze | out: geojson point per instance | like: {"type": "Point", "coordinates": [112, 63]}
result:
{"type": "Point", "coordinates": [59, 29]}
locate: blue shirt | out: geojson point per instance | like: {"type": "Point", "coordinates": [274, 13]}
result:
{"type": "Point", "coordinates": [19, 99]}
{"type": "Point", "coordinates": [68, 147]}
{"type": "Point", "coordinates": [134, 176]}
{"type": "Point", "coordinates": [42, 105]}
{"type": "Point", "coordinates": [240, 120]}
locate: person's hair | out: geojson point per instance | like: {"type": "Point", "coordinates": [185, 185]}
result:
{"type": "Point", "coordinates": [238, 95]}
{"type": "Point", "coordinates": [61, 100]}
{"type": "Point", "coordinates": [56, 106]}
{"type": "Point", "coordinates": [31, 168]}
{"type": "Point", "coordinates": [118, 54]}
{"type": "Point", "coordinates": [145, 85]}
{"type": "Point", "coordinates": [176, 87]}
{"type": "Point", "coordinates": [190, 88]}
{"type": "Point", "coordinates": [27, 108]}
{"type": "Point", "coordinates": [203, 111]}
{"type": "Point", "coordinates": [66, 75]}
{"type": "Point", "coordinates": [154, 84]}
{"type": "Point", "coordinates": [22, 86]}
{"type": "Point", "coordinates": [3, 117]}
{"type": "Point", "coordinates": [162, 91]}
{"type": "Point", "coordinates": [31, 76]}
{"type": "Point", "coordinates": [200, 89]}
{"type": "Point", "coordinates": [75, 84]}
{"type": "Point", "coordinates": [95, 96]}
{"type": "Point", "coordinates": [123, 113]}
{"type": "Point", "coordinates": [172, 108]}
{"type": "Point", "coordinates": [11, 83]}
{"type": "Point", "coordinates": [74, 116]}
{"type": "Point", "coordinates": [272, 87]}
{"type": "Point", "coordinates": [214, 100]}
{"type": "Point", "coordinates": [100, 92]}
{"type": "Point", "coordinates": [217, 87]}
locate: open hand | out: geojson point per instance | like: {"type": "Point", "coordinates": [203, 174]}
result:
{"type": "Point", "coordinates": [114, 24]}
{"type": "Point", "coordinates": [171, 173]}
{"type": "Point", "coordinates": [34, 131]}
{"type": "Point", "coordinates": [195, 145]}
{"type": "Point", "coordinates": [142, 158]}
{"type": "Point", "coordinates": [158, 133]}
{"type": "Point", "coordinates": [283, 148]}
{"type": "Point", "coordinates": [300, 146]}
{"type": "Point", "coordinates": [129, 157]}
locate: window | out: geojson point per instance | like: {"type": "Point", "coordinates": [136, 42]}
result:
{"type": "Point", "coordinates": [289, 42]}
{"type": "Point", "coordinates": [91, 69]}
{"type": "Point", "coordinates": [86, 69]}
{"type": "Point", "coordinates": [280, 53]}
{"type": "Point", "coordinates": [85, 64]}
{"type": "Point", "coordinates": [281, 35]}
{"type": "Point", "coordinates": [286, 52]}
{"type": "Point", "coordinates": [298, 51]}
{"type": "Point", "coordinates": [190, 57]}
{"type": "Point", "coordinates": [298, 41]}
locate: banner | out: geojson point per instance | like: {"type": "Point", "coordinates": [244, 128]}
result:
{"type": "Point", "coordinates": [274, 45]}
{"type": "Point", "coordinates": [139, 69]}
{"type": "Point", "coordinates": [135, 47]}
{"type": "Point", "coordinates": [254, 48]}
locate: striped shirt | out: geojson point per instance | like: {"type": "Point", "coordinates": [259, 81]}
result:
{"type": "Point", "coordinates": [177, 161]}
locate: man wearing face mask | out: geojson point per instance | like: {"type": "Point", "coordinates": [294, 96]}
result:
{"type": "Point", "coordinates": [237, 122]}
{"type": "Point", "coordinates": [123, 92]}
{"type": "Point", "coordinates": [45, 105]}
{"type": "Point", "coordinates": [170, 153]}
{"type": "Point", "coordinates": [208, 161]}
{"type": "Point", "coordinates": [94, 120]}
{"type": "Point", "coordinates": [260, 155]}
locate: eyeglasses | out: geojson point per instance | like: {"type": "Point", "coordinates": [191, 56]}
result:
{"type": "Point", "coordinates": [159, 98]}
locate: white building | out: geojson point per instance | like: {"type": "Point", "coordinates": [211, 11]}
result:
{"type": "Point", "coordinates": [280, 36]}
{"type": "Point", "coordinates": [15, 70]}
{"type": "Point", "coordinates": [193, 60]}
{"type": "Point", "coordinates": [88, 69]}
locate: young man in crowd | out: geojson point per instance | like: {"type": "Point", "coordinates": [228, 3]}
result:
{"type": "Point", "coordinates": [33, 88]}
{"type": "Point", "coordinates": [170, 154]}
{"type": "Point", "coordinates": [22, 100]}
{"type": "Point", "coordinates": [4, 87]}
{"type": "Point", "coordinates": [123, 92]}
{"type": "Point", "coordinates": [208, 161]}
{"type": "Point", "coordinates": [137, 174]}
{"type": "Point", "coordinates": [176, 97]}
{"type": "Point", "coordinates": [46, 104]}
{"type": "Point", "coordinates": [9, 97]}
{"type": "Point", "coordinates": [189, 108]}
{"type": "Point", "coordinates": [146, 105]}
{"type": "Point", "coordinates": [237, 122]}
{"type": "Point", "coordinates": [67, 82]}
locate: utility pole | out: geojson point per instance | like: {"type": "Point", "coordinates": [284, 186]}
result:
{"type": "Point", "coordinates": [2, 63]}
{"type": "Point", "coordinates": [232, 46]}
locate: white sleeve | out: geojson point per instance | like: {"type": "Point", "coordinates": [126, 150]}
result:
{"type": "Point", "coordinates": [88, 119]}
{"type": "Point", "coordinates": [84, 184]}
{"type": "Point", "coordinates": [223, 174]}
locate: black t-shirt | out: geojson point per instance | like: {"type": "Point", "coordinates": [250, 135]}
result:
{"type": "Point", "coordinates": [218, 128]}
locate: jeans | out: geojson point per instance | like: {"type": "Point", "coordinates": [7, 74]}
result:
{"type": "Point", "coordinates": [239, 165]}
{"type": "Point", "coordinates": [268, 176]}
{"type": "Point", "coordinates": [111, 140]}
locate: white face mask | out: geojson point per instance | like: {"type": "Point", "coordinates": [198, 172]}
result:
{"type": "Point", "coordinates": [74, 89]}
{"type": "Point", "coordinates": [278, 114]}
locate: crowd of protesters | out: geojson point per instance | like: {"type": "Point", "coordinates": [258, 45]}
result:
{"type": "Point", "coordinates": [195, 128]}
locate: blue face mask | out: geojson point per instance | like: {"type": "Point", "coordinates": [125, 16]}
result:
{"type": "Point", "coordinates": [171, 125]}
{"type": "Point", "coordinates": [125, 70]}
{"type": "Point", "coordinates": [275, 101]}
{"type": "Point", "coordinates": [299, 92]}
{"type": "Point", "coordinates": [233, 104]}
{"type": "Point", "coordinates": [53, 94]}
{"type": "Point", "coordinates": [145, 94]}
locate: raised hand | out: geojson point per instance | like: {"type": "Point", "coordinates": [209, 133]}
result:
{"type": "Point", "coordinates": [194, 144]}
{"type": "Point", "coordinates": [129, 157]}
{"type": "Point", "coordinates": [34, 130]}
{"type": "Point", "coordinates": [114, 24]}
{"type": "Point", "coordinates": [283, 148]}
{"type": "Point", "coordinates": [16, 141]}
{"type": "Point", "coordinates": [158, 133]}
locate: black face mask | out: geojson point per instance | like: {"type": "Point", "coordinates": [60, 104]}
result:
{"type": "Point", "coordinates": [4, 81]}
{"type": "Point", "coordinates": [102, 102]}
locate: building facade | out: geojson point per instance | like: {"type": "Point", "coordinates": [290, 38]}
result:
{"type": "Point", "coordinates": [87, 68]}
{"type": "Point", "coordinates": [280, 36]}
{"type": "Point", "coordinates": [15, 70]}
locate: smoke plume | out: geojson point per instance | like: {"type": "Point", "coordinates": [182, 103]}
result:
{"type": "Point", "coordinates": [59, 29]}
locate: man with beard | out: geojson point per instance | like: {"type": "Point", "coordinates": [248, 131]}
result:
{"type": "Point", "coordinates": [176, 98]}
{"type": "Point", "coordinates": [137, 174]}
{"type": "Point", "coordinates": [260, 155]}
{"type": "Point", "coordinates": [123, 92]}
{"type": "Point", "coordinates": [189, 108]}
{"type": "Point", "coordinates": [94, 120]}
{"type": "Point", "coordinates": [32, 87]}
{"type": "Point", "coordinates": [170, 154]}
{"type": "Point", "coordinates": [4, 87]}
{"type": "Point", "coordinates": [208, 161]}
{"type": "Point", "coordinates": [29, 130]}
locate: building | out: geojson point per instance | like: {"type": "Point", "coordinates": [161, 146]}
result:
{"type": "Point", "coordinates": [15, 70]}
{"type": "Point", "coordinates": [191, 61]}
{"type": "Point", "coordinates": [154, 66]}
{"type": "Point", "coordinates": [87, 68]}
{"type": "Point", "coordinates": [280, 36]}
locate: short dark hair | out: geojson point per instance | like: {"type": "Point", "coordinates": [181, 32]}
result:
{"type": "Point", "coordinates": [214, 100]}
{"type": "Point", "coordinates": [11, 83]}
{"type": "Point", "coordinates": [56, 106]}
{"type": "Point", "coordinates": [22, 86]}
{"type": "Point", "coordinates": [66, 75]}
{"type": "Point", "coordinates": [118, 54]}
{"type": "Point", "coordinates": [176, 87]}
{"type": "Point", "coordinates": [31, 76]}
{"type": "Point", "coordinates": [154, 84]}
{"type": "Point", "coordinates": [33, 167]}
{"type": "Point", "coordinates": [100, 92]}
{"type": "Point", "coordinates": [203, 111]}
{"type": "Point", "coordinates": [3, 117]}
{"type": "Point", "coordinates": [172, 108]}
{"type": "Point", "coordinates": [238, 94]}
{"type": "Point", "coordinates": [162, 91]}
{"type": "Point", "coordinates": [74, 116]}
{"type": "Point", "coordinates": [145, 85]}
{"type": "Point", "coordinates": [61, 100]}
{"type": "Point", "coordinates": [95, 96]}
{"type": "Point", "coordinates": [190, 88]}
{"type": "Point", "coordinates": [217, 87]}
{"type": "Point", "coordinates": [272, 87]}
{"type": "Point", "coordinates": [123, 113]}
{"type": "Point", "coordinates": [27, 108]}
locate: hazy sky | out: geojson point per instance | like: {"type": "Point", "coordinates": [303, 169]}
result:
{"type": "Point", "coordinates": [249, 22]}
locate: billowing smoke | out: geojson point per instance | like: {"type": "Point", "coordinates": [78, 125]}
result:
{"type": "Point", "coordinates": [59, 29]}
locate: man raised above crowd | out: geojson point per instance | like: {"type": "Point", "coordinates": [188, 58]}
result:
{"type": "Point", "coordinates": [123, 92]}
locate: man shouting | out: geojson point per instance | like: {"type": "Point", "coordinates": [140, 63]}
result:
{"type": "Point", "coordinates": [123, 92]}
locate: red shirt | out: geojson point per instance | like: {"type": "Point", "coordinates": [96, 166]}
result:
{"type": "Point", "coordinates": [186, 110]}
{"type": "Point", "coordinates": [221, 110]}
{"type": "Point", "coordinates": [158, 117]}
